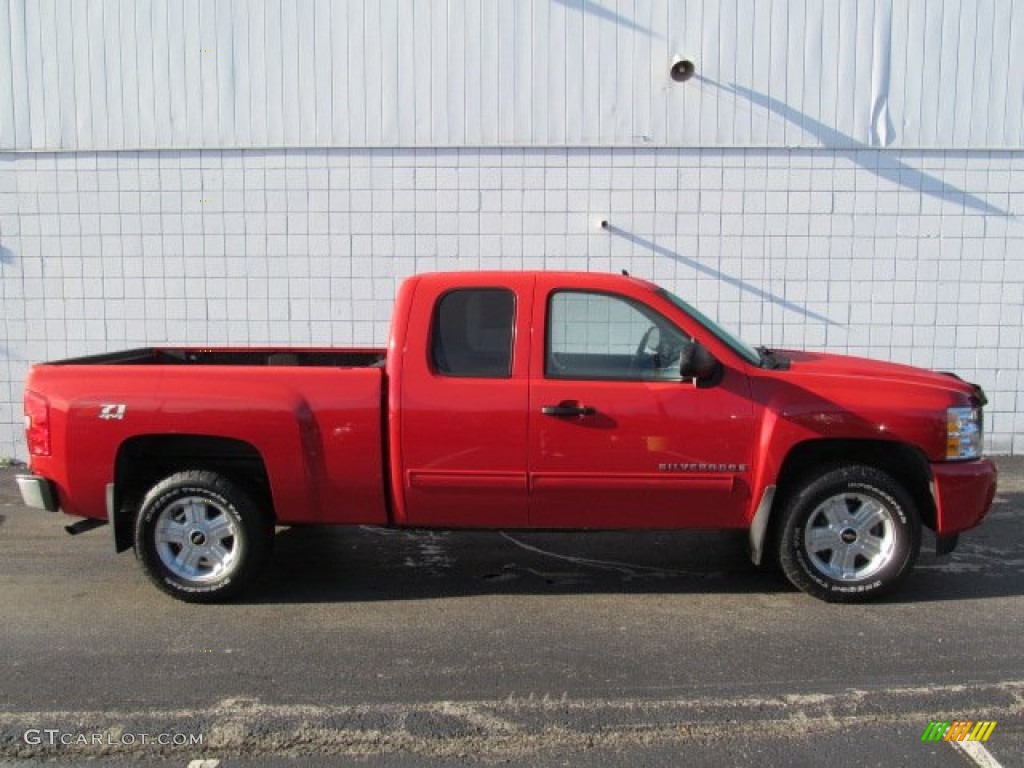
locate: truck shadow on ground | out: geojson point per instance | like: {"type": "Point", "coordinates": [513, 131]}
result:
{"type": "Point", "coordinates": [319, 564]}
{"type": "Point", "coordinates": [329, 564]}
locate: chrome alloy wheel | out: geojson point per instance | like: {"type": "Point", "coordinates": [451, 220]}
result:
{"type": "Point", "coordinates": [850, 537]}
{"type": "Point", "coordinates": [197, 539]}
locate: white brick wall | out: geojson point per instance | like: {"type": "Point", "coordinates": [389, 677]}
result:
{"type": "Point", "coordinates": [913, 256]}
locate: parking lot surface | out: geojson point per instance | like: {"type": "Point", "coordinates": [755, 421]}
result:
{"type": "Point", "coordinates": [378, 647]}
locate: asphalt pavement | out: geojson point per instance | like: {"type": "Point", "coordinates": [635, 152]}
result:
{"type": "Point", "coordinates": [392, 648]}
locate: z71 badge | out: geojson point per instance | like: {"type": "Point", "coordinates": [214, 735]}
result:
{"type": "Point", "coordinates": [112, 411]}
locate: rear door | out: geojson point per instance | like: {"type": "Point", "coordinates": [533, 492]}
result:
{"type": "Point", "coordinates": [618, 439]}
{"type": "Point", "coordinates": [465, 391]}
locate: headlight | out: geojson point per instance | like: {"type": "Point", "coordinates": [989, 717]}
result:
{"type": "Point", "coordinates": [963, 433]}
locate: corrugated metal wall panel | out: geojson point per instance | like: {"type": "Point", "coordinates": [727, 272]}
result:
{"type": "Point", "coordinates": [7, 124]}
{"type": "Point", "coordinates": [123, 74]}
{"type": "Point", "coordinates": [1013, 123]}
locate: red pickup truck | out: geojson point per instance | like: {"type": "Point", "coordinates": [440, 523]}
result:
{"type": "Point", "coordinates": [512, 400]}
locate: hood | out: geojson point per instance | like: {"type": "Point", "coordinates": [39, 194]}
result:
{"type": "Point", "coordinates": [877, 373]}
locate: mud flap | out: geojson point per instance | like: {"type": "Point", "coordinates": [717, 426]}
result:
{"type": "Point", "coordinates": [946, 544]}
{"type": "Point", "coordinates": [120, 523]}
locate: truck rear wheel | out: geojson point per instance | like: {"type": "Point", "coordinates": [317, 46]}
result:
{"type": "Point", "coordinates": [849, 535]}
{"type": "Point", "coordinates": [200, 538]}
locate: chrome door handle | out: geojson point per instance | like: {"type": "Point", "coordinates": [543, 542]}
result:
{"type": "Point", "coordinates": [563, 410]}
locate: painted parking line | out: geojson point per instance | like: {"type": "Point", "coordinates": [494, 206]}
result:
{"type": "Point", "coordinates": [975, 752]}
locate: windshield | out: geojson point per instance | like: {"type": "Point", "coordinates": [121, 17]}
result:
{"type": "Point", "coordinates": [737, 345]}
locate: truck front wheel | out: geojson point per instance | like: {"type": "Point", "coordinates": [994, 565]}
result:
{"type": "Point", "coordinates": [849, 535]}
{"type": "Point", "coordinates": [200, 538]}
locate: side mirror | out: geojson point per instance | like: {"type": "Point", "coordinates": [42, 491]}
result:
{"type": "Point", "coordinates": [701, 365]}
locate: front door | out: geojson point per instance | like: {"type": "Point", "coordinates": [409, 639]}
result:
{"type": "Point", "coordinates": [617, 438]}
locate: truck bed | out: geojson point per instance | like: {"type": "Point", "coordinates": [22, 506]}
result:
{"type": "Point", "coordinates": [272, 356]}
{"type": "Point", "coordinates": [311, 419]}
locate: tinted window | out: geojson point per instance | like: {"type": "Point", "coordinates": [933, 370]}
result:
{"type": "Point", "coordinates": [600, 336]}
{"type": "Point", "coordinates": [472, 333]}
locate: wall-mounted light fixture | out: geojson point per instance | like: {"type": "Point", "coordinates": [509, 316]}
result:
{"type": "Point", "coordinates": [682, 69]}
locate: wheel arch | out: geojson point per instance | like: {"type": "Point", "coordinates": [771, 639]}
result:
{"type": "Point", "coordinates": [143, 460]}
{"type": "Point", "coordinates": [905, 463]}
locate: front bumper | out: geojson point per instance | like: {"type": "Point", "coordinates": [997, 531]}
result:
{"type": "Point", "coordinates": [38, 492]}
{"type": "Point", "coordinates": [963, 494]}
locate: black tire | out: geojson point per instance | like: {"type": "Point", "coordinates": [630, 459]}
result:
{"type": "Point", "coordinates": [848, 535]}
{"type": "Point", "coordinates": [200, 538]}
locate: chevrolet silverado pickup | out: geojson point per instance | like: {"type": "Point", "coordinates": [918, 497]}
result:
{"type": "Point", "coordinates": [512, 400]}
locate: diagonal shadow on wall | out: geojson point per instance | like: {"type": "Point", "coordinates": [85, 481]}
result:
{"type": "Point", "coordinates": [6, 255]}
{"type": "Point", "coordinates": [735, 282]}
{"type": "Point", "coordinates": [895, 171]}
{"type": "Point", "coordinates": [596, 9]}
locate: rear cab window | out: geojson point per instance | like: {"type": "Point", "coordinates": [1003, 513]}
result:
{"type": "Point", "coordinates": [472, 332]}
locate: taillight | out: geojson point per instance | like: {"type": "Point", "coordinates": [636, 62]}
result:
{"type": "Point", "coordinates": [37, 424]}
